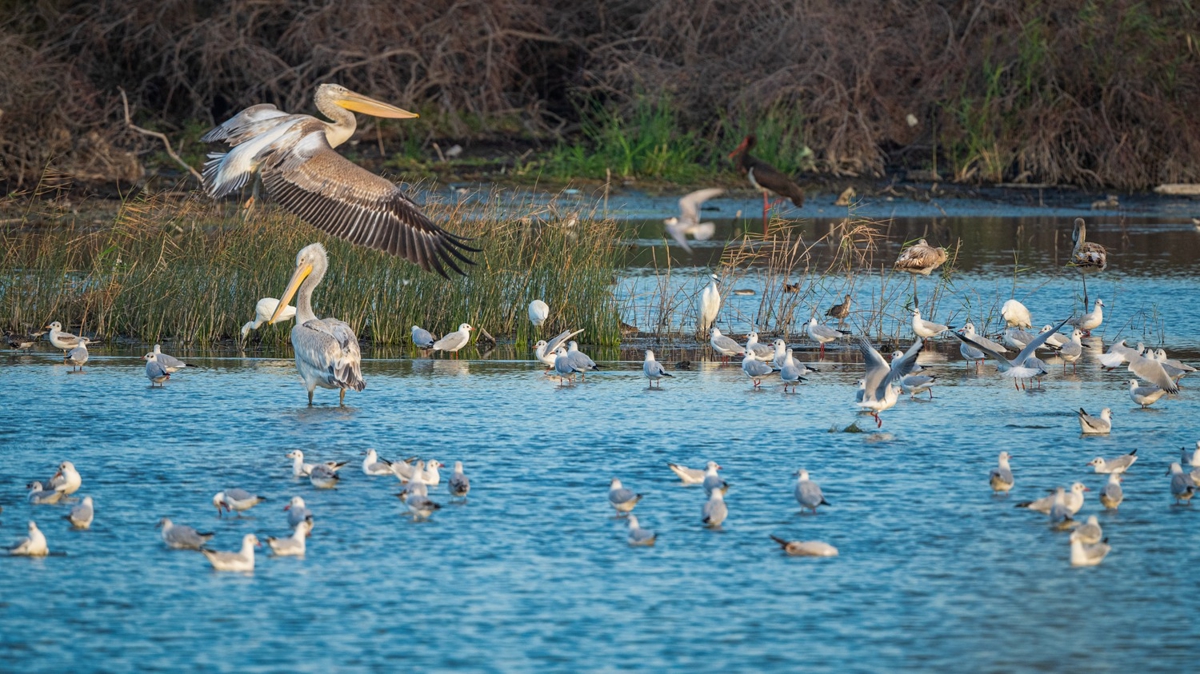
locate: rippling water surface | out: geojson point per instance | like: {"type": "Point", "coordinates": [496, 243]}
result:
{"type": "Point", "coordinates": [533, 573]}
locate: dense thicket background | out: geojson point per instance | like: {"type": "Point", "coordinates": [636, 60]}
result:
{"type": "Point", "coordinates": [1060, 91]}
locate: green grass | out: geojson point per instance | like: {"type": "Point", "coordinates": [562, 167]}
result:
{"type": "Point", "coordinates": [191, 271]}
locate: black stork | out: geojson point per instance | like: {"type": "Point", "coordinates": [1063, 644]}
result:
{"type": "Point", "coordinates": [765, 177]}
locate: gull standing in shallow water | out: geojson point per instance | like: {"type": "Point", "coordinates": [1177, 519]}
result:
{"type": "Point", "coordinates": [725, 346]}
{"type": "Point", "coordinates": [654, 370]}
{"type": "Point", "coordinates": [580, 360]}
{"type": "Point", "coordinates": [33, 545]}
{"type": "Point", "coordinates": [155, 372]}
{"type": "Point", "coordinates": [421, 338]}
{"type": "Point", "coordinates": [1112, 494]}
{"type": "Point", "coordinates": [326, 349]}
{"type": "Point", "coordinates": [454, 341]}
{"type": "Point", "coordinates": [181, 537]}
{"type": "Point", "coordinates": [169, 363]}
{"type": "Point", "coordinates": [1117, 465]}
{"type": "Point", "coordinates": [563, 367]}
{"type": "Point", "coordinates": [755, 369]}
{"type": "Point", "coordinates": [1001, 478]}
{"type": "Point", "coordinates": [77, 356]}
{"type": "Point", "coordinates": [927, 329]}
{"type": "Point", "coordinates": [1087, 555]}
{"type": "Point", "coordinates": [822, 334]}
{"type": "Point", "coordinates": [806, 548]}
{"type": "Point", "coordinates": [712, 481]}
{"type": "Point", "coordinates": [1091, 320]}
{"type": "Point", "coordinates": [881, 385]}
{"type": "Point", "coordinates": [688, 221]}
{"type": "Point", "coordinates": [1090, 425]}
{"type": "Point", "coordinates": [973, 354]}
{"type": "Point", "coordinates": [263, 310]}
{"type": "Point", "coordinates": [791, 371]}
{"type": "Point", "coordinates": [243, 560]}
{"type": "Point", "coordinates": [545, 351]}
{"type": "Point", "coordinates": [1072, 350]}
{"type": "Point", "coordinates": [808, 493]}
{"type": "Point", "coordinates": [1016, 369]}
{"type": "Point", "coordinates": [638, 536]}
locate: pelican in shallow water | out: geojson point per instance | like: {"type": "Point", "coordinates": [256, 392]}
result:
{"type": "Point", "coordinates": [303, 173]}
{"type": "Point", "coordinates": [326, 349]}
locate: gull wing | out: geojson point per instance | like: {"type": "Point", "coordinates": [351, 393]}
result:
{"type": "Point", "coordinates": [689, 205]}
{"type": "Point", "coordinates": [1152, 371]}
{"type": "Point", "coordinates": [904, 364]}
{"type": "Point", "coordinates": [552, 345]}
{"type": "Point", "coordinates": [877, 369]}
{"type": "Point", "coordinates": [1036, 343]}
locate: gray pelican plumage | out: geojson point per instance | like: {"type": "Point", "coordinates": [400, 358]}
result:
{"type": "Point", "coordinates": [301, 170]}
{"type": "Point", "coordinates": [1086, 256]}
{"type": "Point", "coordinates": [326, 349]}
{"type": "Point", "coordinates": [920, 258]}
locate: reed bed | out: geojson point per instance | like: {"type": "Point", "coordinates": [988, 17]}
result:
{"type": "Point", "coordinates": [179, 267]}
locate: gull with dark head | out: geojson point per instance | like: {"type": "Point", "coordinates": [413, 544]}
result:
{"type": "Point", "coordinates": [1016, 369]}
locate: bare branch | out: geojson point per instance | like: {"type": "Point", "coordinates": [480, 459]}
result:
{"type": "Point", "coordinates": [165, 141]}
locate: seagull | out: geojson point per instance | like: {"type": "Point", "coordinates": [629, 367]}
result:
{"type": "Point", "coordinates": [242, 560]}
{"type": "Point", "coordinates": [1161, 356]}
{"type": "Point", "coordinates": [1039, 367]}
{"type": "Point", "coordinates": [806, 548]}
{"type": "Point", "coordinates": [66, 480]}
{"type": "Point", "coordinates": [1056, 340]}
{"type": "Point", "coordinates": [808, 493]}
{"type": "Point", "coordinates": [580, 360]}
{"type": "Point", "coordinates": [299, 468]}
{"type": "Point", "coordinates": [654, 370]}
{"type": "Point", "coordinates": [1117, 355]}
{"type": "Point", "coordinates": [323, 477]}
{"type": "Point", "coordinates": [539, 311]}
{"type": "Point", "coordinates": [1087, 555]}
{"type": "Point", "coordinates": [1182, 487]}
{"type": "Point", "coordinates": [710, 304]}
{"type": "Point", "coordinates": [373, 465]}
{"type": "Point", "coordinates": [181, 537]}
{"type": "Point", "coordinates": [298, 512]}
{"type": "Point", "coordinates": [691, 476]}
{"type": "Point", "coordinates": [81, 515]}
{"type": "Point", "coordinates": [420, 507]}
{"type": "Point", "coordinates": [235, 500]}
{"type": "Point", "coordinates": [760, 351]}
{"type": "Point", "coordinates": [1150, 370]}
{"type": "Point", "coordinates": [1112, 494]}
{"type": "Point", "coordinates": [840, 311]}
{"type": "Point", "coordinates": [454, 341]}
{"type": "Point", "coordinates": [1090, 532]}
{"type": "Point", "coordinates": [1072, 350]}
{"type": "Point", "coordinates": [688, 221]}
{"type": "Point", "coordinates": [1092, 319]}
{"type": "Point", "coordinates": [881, 387]}
{"type": "Point", "coordinates": [169, 363]}
{"type": "Point", "coordinates": [1072, 499]}
{"type": "Point", "coordinates": [1091, 425]}
{"type": "Point", "coordinates": [41, 496]}
{"type": "Point", "coordinates": [1001, 478]}
{"type": "Point", "coordinates": [971, 353]}
{"type": "Point", "coordinates": [1016, 315]}
{"type": "Point", "coordinates": [927, 329]}
{"type": "Point", "coordinates": [33, 545]}
{"type": "Point", "coordinates": [292, 546]}
{"type": "Point", "coordinates": [1016, 369]}
{"type": "Point", "coordinates": [639, 536]}
{"type": "Point", "coordinates": [822, 334]}
{"type": "Point", "coordinates": [621, 498]}
{"type": "Point", "coordinates": [1116, 466]}
{"type": "Point", "coordinates": [155, 372]}
{"type": "Point", "coordinates": [546, 350]}
{"type": "Point", "coordinates": [1060, 517]}
{"type": "Point", "coordinates": [459, 483]}
{"type": "Point", "coordinates": [915, 384]}
{"type": "Point", "coordinates": [725, 346]}
{"type": "Point", "coordinates": [714, 511]}
{"type": "Point", "coordinates": [61, 340]}
{"type": "Point", "coordinates": [263, 310]}
{"type": "Point", "coordinates": [712, 481]}
{"type": "Point", "coordinates": [1017, 338]}
{"type": "Point", "coordinates": [755, 369]}
{"type": "Point", "coordinates": [791, 371]}
{"type": "Point", "coordinates": [1194, 459]}
{"type": "Point", "coordinates": [421, 338]}
{"type": "Point", "coordinates": [414, 487]}
{"type": "Point", "coordinates": [563, 367]}
{"type": "Point", "coordinates": [77, 356]}
{"type": "Point", "coordinates": [424, 471]}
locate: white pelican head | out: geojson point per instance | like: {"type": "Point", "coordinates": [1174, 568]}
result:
{"type": "Point", "coordinates": [310, 261]}
{"type": "Point", "coordinates": [356, 102]}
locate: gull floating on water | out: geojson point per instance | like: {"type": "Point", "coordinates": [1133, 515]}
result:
{"type": "Point", "coordinates": [459, 484]}
{"type": "Point", "coordinates": [299, 467]}
{"type": "Point", "coordinates": [808, 493]}
{"type": "Point", "coordinates": [298, 512]}
{"type": "Point", "coordinates": [373, 465]}
{"type": "Point", "coordinates": [235, 500]}
{"type": "Point", "coordinates": [714, 511]}
{"type": "Point", "coordinates": [81, 515]}
{"type": "Point", "coordinates": [1117, 465]}
{"type": "Point", "coordinates": [66, 480]}
{"type": "Point", "coordinates": [1073, 500]}
{"type": "Point", "coordinates": [822, 334]}
{"type": "Point", "coordinates": [725, 346]}
{"type": "Point", "coordinates": [243, 560]}
{"type": "Point", "coordinates": [881, 385]}
{"type": "Point", "coordinates": [263, 310]}
{"type": "Point", "coordinates": [1016, 369]}
{"type": "Point", "coordinates": [806, 548]}
{"type": "Point", "coordinates": [654, 370]}
{"type": "Point", "coordinates": [181, 537]}
{"type": "Point", "coordinates": [710, 304]}
{"type": "Point", "coordinates": [39, 495]}
{"type": "Point", "coordinates": [688, 221]}
{"type": "Point", "coordinates": [638, 536]}
{"type": "Point", "coordinates": [454, 341]}
{"type": "Point", "coordinates": [755, 369]}
{"type": "Point", "coordinates": [1072, 350]}
{"type": "Point", "coordinates": [691, 476]}
{"type": "Point", "coordinates": [421, 338]}
{"type": "Point", "coordinates": [420, 506]}
{"type": "Point", "coordinates": [322, 476]}
{"type": "Point", "coordinates": [622, 498]}
{"type": "Point", "coordinates": [1060, 517]}
{"type": "Point", "coordinates": [563, 367]}
{"type": "Point", "coordinates": [539, 311]}
{"type": "Point", "coordinates": [1001, 478]}
{"type": "Point", "coordinates": [1112, 494]}
{"type": "Point", "coordinates": [712, 481]}
{"type": "Point", "coordinates": [155, 372]}
{"type": "Point", "coordinates": [1090, 532]}
{"type": "Point", "coordinates": [1087, 555]}
{"type": "Point", "coordinates": [33, 545]}
{"type": "Point", "coordinates": [1016, 315]}
{"type": "Point", "coordinates": [292, 546]}
{"type": "Point", "coordinates": [1182, 486]}
{"type": "Point", "coordinates": [1090, 425]}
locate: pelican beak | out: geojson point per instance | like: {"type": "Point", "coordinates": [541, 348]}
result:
{"type": "Point", "coordinates": [302, 273]}
{"type": "Point", "coordinates": [370, 106]}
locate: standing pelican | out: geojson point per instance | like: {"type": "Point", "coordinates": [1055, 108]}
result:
{"type": "Point", "coordinates": [303, 173]}
{"type": "Point", "coordinates": [920, 258]}
{"type": "Point", "coordinates": [1087, 257]}
{"type": "Point", "coordinates": [326, 349]}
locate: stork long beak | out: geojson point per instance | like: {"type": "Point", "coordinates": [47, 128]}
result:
{"type": "Point", "coordinates": [298, 277]}
{"type": "Point", "coordinates": [739, 149]}
{"type": "Point", "coordinates": [370, 106]}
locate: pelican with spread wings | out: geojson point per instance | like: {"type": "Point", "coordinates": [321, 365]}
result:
{"type": "Point", "coordinates": [301, 170]}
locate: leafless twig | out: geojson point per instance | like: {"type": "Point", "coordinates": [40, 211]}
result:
{"type": "Point", "coordinates": [166, 142]}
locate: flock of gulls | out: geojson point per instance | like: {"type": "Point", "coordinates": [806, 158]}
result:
{"type": "Point", "coordinates": [294, 156]}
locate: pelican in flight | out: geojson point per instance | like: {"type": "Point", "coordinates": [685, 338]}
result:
{"type": "Point", "coordinates": [326, 349]}
{"type": "Point", "coordinates": [300, 170]}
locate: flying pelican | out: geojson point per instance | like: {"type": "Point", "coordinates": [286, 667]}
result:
{"type": "Point", "coordinates": [326, 349]}
{"type": "Point", "coordinates": [303, 173]}
{"type": "Point", "coordinates": [688, 221]}
{"type": "Point", "coordinates": [1087, 256]}
{"type": "Point", "coordinates": [920, 258]}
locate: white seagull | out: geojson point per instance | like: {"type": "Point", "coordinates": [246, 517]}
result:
{"type": "Point", "coordinates": [654, 370]}
{"type": "Point", "coordinates": [881, 385]}
{"type": "Point", "coordinates": [1116, 466]}
{"type": "Point", "coordinates": [459, 484]}
{"type": "Point", "coordinates": [182, 537]}
{"type": "Point", "coordinates": [714, 511]}
{"type": "Point", "coordinates": [822, 334]}
{"type": "Point", "coordinates": [725, 346]}
{"type": "Point", "coordinates": [638, 536]}
{"type": "Point", "coordinates": [806, 548]}
{"type": "Point", "coordinates": [169, 363]}
{"type": "Point", "coordinates": [927, 329]}
{"type": "Point", "coordinates": [622, 498]}
{"type": "Point", "coordinates": [81, 515]}
{"type": "Point", "coordinates": [1090, 425]}
{"type": "Point", "coordinates": [580, 360]}
{"type": "Point", "coordinates": [298, 512]}
{"type": "Point", "coordinates": [688, 221]}
{"type": "Point", "coordinates": [155, 372]}
{"type": "Point", "coordinates": [373, 465]}
{"type": "Point", "coordinates": [421, 338]}
{"type": "Point", "coordinates": [1112, 494]}
{"type": "Point", "coordinates": [292, 546]}
{"type": "Point", "coordinates": [454, 341]}
{"type": "Point", "coordinates": [243, 560]}
{"type": "Point", "coordinates": [755, 369]}
{"type": "Point", "coordinates": [235, 500]}
{"type": "Point", "coordinates": [1087, 555]}
{"type": "Point", "coordinates": [808, 493]}
{"type": "Point", "coordinates": [33, 545]}
{"type": "Point", "coordinates": [1001, 478]}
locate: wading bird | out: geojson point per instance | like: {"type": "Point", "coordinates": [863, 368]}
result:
{"type": "Point", "coordinates": [710, 304]}
{"type": "Point", "coordinates": [326, 349]}
{"type": "Point", "coordinates": [299, 168]}
{"type": "Point", "coordinates": [920, 258]}
{"type": "Point", "coordinates": [764, 177]}
{"type": "Point", "coordinates": [1087, 257]}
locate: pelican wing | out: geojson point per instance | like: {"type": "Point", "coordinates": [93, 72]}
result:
{"type": "Point", "coordinates": [329, 345]}
{"type": "Point", "coordinates": [332, 193]}
{"type": "Point", "coordinates": [245, 125]}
